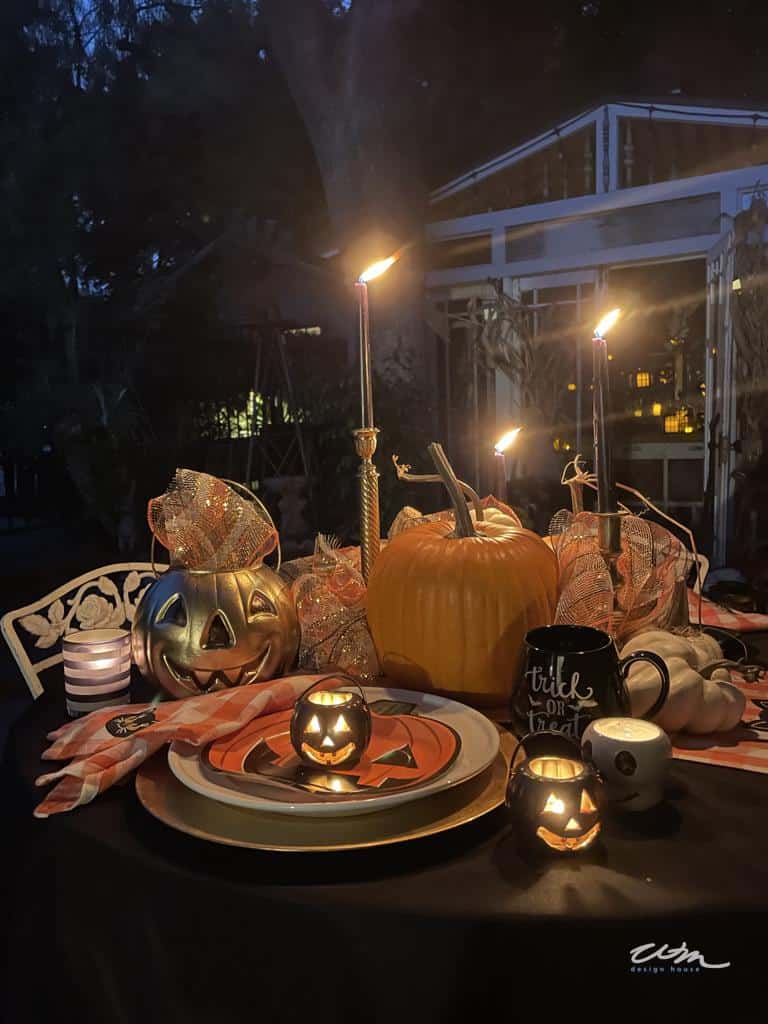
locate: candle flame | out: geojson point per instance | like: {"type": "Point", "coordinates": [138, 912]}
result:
{"type": "Point", "coordinates": [377, 269]}
{"type": "Point", "coordinates": [504, 442]}
{"type": "Point", "coordinates": [607, 322]}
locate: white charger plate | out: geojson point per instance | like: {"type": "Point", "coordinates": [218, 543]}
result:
{"type": "Point", "coordinates": [479, 746]}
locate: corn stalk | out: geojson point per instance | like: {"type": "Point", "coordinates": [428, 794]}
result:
{"type": "Point", "coordinates": [502, 330]}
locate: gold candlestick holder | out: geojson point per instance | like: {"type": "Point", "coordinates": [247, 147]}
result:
{"type": "Point", "coordinates": [368, 478]}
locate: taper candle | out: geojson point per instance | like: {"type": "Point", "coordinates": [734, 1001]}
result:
{"type": "Point", "coordinates": [606, 495]}
{"type": "Point", "coordinates": [500, 462]}
{"type": "Point", "coordinates": [365, 436]}
{"type": "Point", "coordinates": [366, 377]}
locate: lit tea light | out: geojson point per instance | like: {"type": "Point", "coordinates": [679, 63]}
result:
{"type": "Point", "coordinates": [329, 699]}
{"type": "Point", "coordinates": [633, 729]}
{"type": "Point", "coordinates": [97, 669]}
{"type": "Point", "coordinates": [330, 728]}
{"type": "Point", "coordinates": [632, 757]}
{"type": "Point", "coordinates": [553, 794]}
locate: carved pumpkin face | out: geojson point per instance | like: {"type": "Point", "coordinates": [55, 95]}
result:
{"type": "Point", "coordinates": [196, 632]}
{"type": "Point", "coordinates": [331, 728]}
{"type": "Point", "coordinates": [555, 799]}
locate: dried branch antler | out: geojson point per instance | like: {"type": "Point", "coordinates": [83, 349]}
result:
{"type": "Point", "coordinates": [404, 473]}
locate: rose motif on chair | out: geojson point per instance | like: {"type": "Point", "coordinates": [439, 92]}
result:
{"type": "Point", "coordinates": [112, 606]}
{"type": "Point", "coordinates": [95, 612]}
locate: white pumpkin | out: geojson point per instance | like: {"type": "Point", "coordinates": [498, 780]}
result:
{"type": "Point", "coordinates": [706, 647]}
{"type": "Point", "coordinates": [735, 704]}
{"type": "Point", "coordinates": [698, 649]}
{"type": "Point", "coordinates": [696, 704]}
{"type": "Point", "coordinates": [721, 675]}
{"type": "Point", "coordinates": [685, 687]}
{"type": "Point", "coordinates": [666, 645]}
{"type": "Point", "coordinates": [711, 710]}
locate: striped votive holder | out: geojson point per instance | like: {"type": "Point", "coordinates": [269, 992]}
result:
{"type": "Point", "coordinates": [97, 669]}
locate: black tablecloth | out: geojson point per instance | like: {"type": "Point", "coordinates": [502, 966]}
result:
{"type": "Point", "coordinates": [115, 917]}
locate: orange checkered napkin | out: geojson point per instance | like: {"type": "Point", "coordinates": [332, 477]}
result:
{"type": "Point", "coordinates": [106, 745]}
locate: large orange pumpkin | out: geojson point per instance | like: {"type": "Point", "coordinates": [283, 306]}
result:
{"type": "Point", "coordinates": [449, 612]}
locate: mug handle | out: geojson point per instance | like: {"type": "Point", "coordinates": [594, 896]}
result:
{"type": "Point", "coordinates": [658, 663]}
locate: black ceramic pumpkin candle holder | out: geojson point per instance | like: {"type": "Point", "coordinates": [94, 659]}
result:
{"type": "Point", "coordinates": [553, 794]}
{"type": "Point", "coordinates": [331, 728]}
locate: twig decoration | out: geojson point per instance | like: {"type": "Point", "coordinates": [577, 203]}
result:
{"type": "Point", "coordinates": [404, 473]}
{"type": "Point", "coordinates": [581, 478]}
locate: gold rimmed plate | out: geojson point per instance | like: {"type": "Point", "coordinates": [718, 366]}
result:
{"type": "Point", "coordinates": [446, 743]}
{"type": "Point", "coordinates": [168, 800]}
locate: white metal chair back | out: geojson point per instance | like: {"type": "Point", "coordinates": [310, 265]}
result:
{"type": "Point", "coordinates": [103, 598]}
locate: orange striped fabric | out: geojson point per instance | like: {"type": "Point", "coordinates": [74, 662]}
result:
{"type": "Point", "coordinates": [744, 747]}
{"type": "Point", "coordinates": [106, 745]}
{"type": "Point", "coordinates": [714, 615]}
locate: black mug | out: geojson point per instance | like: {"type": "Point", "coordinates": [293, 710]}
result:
{"type": "Point", "coordinates": [573, 674]}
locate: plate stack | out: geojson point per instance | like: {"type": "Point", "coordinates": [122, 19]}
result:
{"type": "Point", "coordinates": [431, 764]}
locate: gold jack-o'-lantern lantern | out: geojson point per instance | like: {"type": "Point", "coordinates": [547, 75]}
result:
{"type": "Point", "coordinates": [554, 794]}
{"type": "Point", "coordinates": [331, 728]}
{"type": "Point", "coordinates": [196, 632]}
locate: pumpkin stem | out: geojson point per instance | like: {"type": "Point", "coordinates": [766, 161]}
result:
{"type": "Point", "coordinates": [404, 473]}
{"type": "Point", "coordinates": [464, 527]}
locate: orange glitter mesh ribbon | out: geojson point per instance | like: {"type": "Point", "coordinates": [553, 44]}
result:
{"type": "Point", "coordinates": [206, 525]}
{"type": "Point", "coordinates": [330, 604]}
{"type": "Point", "coordinates": [652, 567]}
{"type": "Point", "coordinates": [653, 564]}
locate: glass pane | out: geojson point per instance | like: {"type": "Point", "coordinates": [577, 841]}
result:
{"type": "Point", "coordinates": [563, 293]}
{"type": "Point", "coordinates": [645, 475]}
{"type": "Point", "coordinates": [685, 480]}
{"type": "Point", "coordinates": [653, 150]}
{"type": "Point", "coordinates": [561, 171]}
{"type": "Point", "coordinates": [658, 350]}
{"type": "Point", "coordinates": [460, 252]}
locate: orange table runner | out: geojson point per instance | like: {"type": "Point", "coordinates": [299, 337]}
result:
{"type": "Point", "coordinates": [723, 618]}
{"type": "Point", "coordinates": [745, 747]}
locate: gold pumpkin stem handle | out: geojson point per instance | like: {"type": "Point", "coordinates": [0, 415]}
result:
{"type": "Point", "coordinates": [464, 527]}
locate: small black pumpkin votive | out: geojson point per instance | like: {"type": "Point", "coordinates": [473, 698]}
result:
{"type": "Point", "coordinates": [331, 728]}
{"type": "Point", "coordinates": [554, 794]}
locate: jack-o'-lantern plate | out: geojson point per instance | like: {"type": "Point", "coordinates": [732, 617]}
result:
{"type": "Point", "coordinates": [420, 745]}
